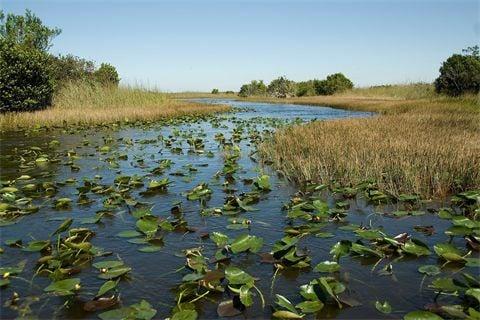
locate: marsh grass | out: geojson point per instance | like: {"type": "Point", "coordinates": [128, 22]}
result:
{"type": "Point", "coordinates": [81, 103]}
{"type": "Point", "coordinates": [429, 145]}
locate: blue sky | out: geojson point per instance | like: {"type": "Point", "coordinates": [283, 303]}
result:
{"type": "Point", "coordinates": [200, 45]}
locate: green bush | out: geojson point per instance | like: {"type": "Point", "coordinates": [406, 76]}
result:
{"type": "Point", "coordinates": [334, 83]}
{"type": "Point", "coordinates": [107, 75]}
{"type": "Point", "coordinates": [215, 91]}
{"type": "Point", "coordinates": [460, 74]}
{"type": "Point", "coordinates": [281, 88]}
{"type": "Point", "coordinates": [305, 88]}
{"type": "Point", "coordinates": [254, 88]}
{"type": "Point", "coordinates": [25, 80]}
{"type": "Point", "coordinates": [70, 68]}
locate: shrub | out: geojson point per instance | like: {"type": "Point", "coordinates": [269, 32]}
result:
{"type": "Point", "coordinates": [281, 88]}
{"type": "Point", "coordinates": [321, 87]}
{"type": "Point", "coordinates": [214, 91]}
{"type": "Point", "coordinates": [107, 75]}
{"type": "Point", "coordinates": [305, 88]}
{"type": "Point", "coordinates": [334, 83]}
{"type": "Point", "coordinates": [460, 74]}
{"type": "Point", "coordinates": [254, 88]}
{"type": "Point", "coordinates": [70, 68]}
{"type": "Point", "coordinates": [25, 81]}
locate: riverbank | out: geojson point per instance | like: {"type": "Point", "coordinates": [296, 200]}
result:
{"type": "Point", "coordinates": [427, 145]}
{"type": "Point", "coordinates": [81, 104]}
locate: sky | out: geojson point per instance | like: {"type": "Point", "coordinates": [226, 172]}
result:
{"type": "Point", "coordinates": [200, 45]}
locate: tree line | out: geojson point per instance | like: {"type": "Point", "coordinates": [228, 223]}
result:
{"type": "Point", "coordinates": [29, 74]}
{"type": "Point", "coordinates": [285, 88]}
{"type": "Point", "coordinates": [459, 74]}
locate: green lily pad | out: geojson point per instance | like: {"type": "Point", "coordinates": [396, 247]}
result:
{"type": "Point", "coordinates": [310, 306]}
{"type": "Point", "coordinates": [129, 234]}
{"type": "Point", "coordinates": [263, 183]}
{"type": "Point", "coordinates": [150, 248]}
{"type": "Point", "coordinates": [384, 307]}
{"type": "Point", "coordinates": [327, 266]}
{"type": "Point", "coordinates": [285, 303]}
{"type": "Point", "coordinates": [187, 314]}
{"type": "Point", "coordinates": [448, 252]}
{"type": "Point", "coordinates": [63, 203]}
{"type": "Point", "coordinates": [139, 311]}
{"type": "Point", "coordinates": [219, 238]}
{"type": "Point", "coordinates": [63, 226]}
{"type": "Point", "coordinates": [37, 245]}
{"type": "Point", "coordinates": [421, 315]}
{"type": "Point", "coordinates": [474, 292]}
{"type": "Point", "coordinates": [236, 275]}
{"type": "Point", "coordinates": [430, 270]}
{"type": "Point", "coordinates": [107, 286]}
{"type": "Point", "coordinates": [64, 287]}
{"type": "Point", "coordinates": [416, 247]}
{"type": "Point", "coordinates": [148, 225]}
{"type": "Point", "coordinates": [246, 242]}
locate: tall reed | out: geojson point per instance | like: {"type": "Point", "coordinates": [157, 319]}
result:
{"type": "Point", "coordinates": [83, 103]}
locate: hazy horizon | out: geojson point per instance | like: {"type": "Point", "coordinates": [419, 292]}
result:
{"type": "Point", "coordinates": [193, 46]}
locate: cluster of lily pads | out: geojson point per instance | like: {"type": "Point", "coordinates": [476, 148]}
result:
{"type": "Point", "coordinates": [141, 171]}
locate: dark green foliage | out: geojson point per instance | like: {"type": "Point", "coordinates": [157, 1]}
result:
{"type": "Point", "coordinates": [26, 30]}
{"type": "Point", "coordinates": [70, 68]}
{"type": "Point", "coordinates": [254, 88]}
{"type": "Point", "coordinates": [321, 87]}
{"type": "Point", "coordinates": [107, 75]}
{"type": "Point", "coordinates": [460, 73]}
{"type": "Point", "coordinates": [25, 81]}
{"type": "Point", "coordinates": [284, 88]}
{"type": "Point", "coordinates": [305, 88]}
{"type": "Point", "coordinates": [281, 88]}
{"type": "Point", "coordinates": [334, 83]}
{"type": "Point", "coordinates": [29, 74]}
{"type": "Point", "coordinates": [215, 91]}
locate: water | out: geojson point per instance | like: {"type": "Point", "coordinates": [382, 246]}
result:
{"type": "Point", "coordinates": [153, 275]}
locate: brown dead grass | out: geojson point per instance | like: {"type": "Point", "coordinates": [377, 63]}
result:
{"type": "Point", "coordinates": [89, 105]}
{"type": "Point", "coordinates": [428, 146]}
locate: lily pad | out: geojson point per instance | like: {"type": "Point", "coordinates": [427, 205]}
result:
{"type": "Point", "coordinates": [384, 307]}
{"type": "Point", "coordinates": [421, 315]}
{"type": "Point", "coordinates": [327, 266]}
{"type": "Point", "coordinates": [64, 287]}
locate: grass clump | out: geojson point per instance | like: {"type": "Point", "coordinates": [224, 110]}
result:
{"type": "Point", "coordinates": [86, 103]}
{"type": "Point", "coordinates": [426, 145]}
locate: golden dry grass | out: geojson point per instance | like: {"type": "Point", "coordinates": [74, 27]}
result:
{"type": "Point", "coordinates": [429, 146]}
{"type": "Point", "coordinates": [79, 103]}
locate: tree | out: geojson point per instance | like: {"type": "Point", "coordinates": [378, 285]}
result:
{"type": "Point", "coordinates": [281, 88]}
{"type": "Point", "coordinates": [305, 88]}
{"type": "Point", "coordinates": [460, 73]}
{"type": "Point", "coordinates": [27, 30]}
{"type": "Point", "coordinates": [334, 83]}
{"type": "Point", "coordinates": [215, 91]}
{"type": "Point", "coordinates": [66, 68]}
{"type": "Point", "coordinates": [107, 75]}
{"type": "Point", "coordinates": [254, 88]}
{"type": "Point", "coordinates": [25, 80]}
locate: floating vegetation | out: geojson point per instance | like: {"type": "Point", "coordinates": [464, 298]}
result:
{"type": "Point", "coordinates": [177, 219]}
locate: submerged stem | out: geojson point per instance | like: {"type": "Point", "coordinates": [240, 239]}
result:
{"type": "Point", "coordinates": [261, 296]}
